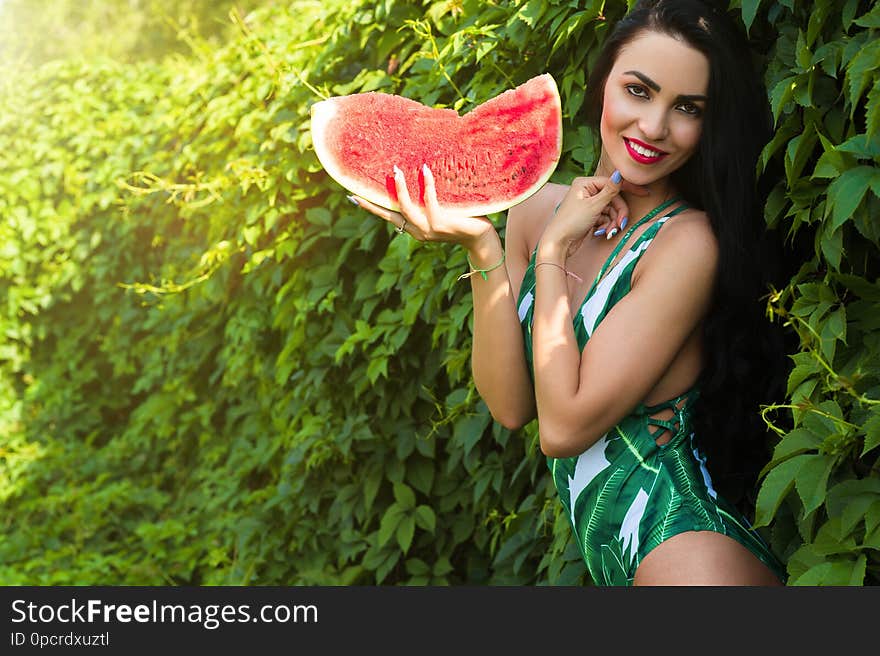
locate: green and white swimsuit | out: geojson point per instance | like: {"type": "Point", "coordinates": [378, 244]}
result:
{"type": "Point", "coordinates": [626, 494]}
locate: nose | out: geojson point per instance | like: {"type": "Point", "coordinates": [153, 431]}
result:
{"type": "Point", "coordinates": [653, 124]}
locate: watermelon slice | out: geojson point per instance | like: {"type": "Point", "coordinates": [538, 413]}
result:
{"type": "Point", "coordinates": [486, 161]}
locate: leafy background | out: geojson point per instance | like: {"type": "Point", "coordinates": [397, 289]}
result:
{"type": "Point", "coordinates": [214, 370]}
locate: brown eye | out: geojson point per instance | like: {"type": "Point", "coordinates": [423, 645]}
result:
{"type": "Point", "coordinates": [637, 90]}
{"type": "Point", "coordinates": [690, 108]}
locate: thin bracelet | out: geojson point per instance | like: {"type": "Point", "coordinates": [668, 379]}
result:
{"type": "Point", "coordinates": [567, 272]}
{"type": "Point", "coordinates": [483, 272]}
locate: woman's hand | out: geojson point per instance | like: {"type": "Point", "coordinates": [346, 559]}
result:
{"type": "Point", "coordinates": [428, 223]}
{"type": "Point", "coordinates": [592, 206]}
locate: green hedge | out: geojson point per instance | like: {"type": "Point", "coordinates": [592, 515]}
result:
{"type": "Point", "coordinates": [215, 370]}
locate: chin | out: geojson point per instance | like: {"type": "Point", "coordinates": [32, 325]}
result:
{"type": "Point", "coordinates": [640, 176]}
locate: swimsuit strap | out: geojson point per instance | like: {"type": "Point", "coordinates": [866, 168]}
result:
{"type": "Point", "coordinates": [650, 215]}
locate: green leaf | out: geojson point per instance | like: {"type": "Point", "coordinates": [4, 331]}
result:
{"type": "Point", "coordinates": [781, 94]}
{"type": "Point", "coordinates": [831, 245]}
{"type": "Point", "coordinates": [443, 567]}
{"type": "Point", "coordinates": [420, 472]}
{"type": "Point", "coordinates": [859, 69]}
{"type": "Point", "coordinates": [851, 500]}
{"type": "Point", "coordinates": [417, 567]}
{"type": "Point", "coordinates": [838, 572]}
{"type": "Point", "coordinates": [872, 539]}
{"type": "Point", "coordinates": [405, 531]}
{"type": "Point", "coordinates": [802, 52]}
{"type": "Point", "coordinates": [387, 565]}
{"type": "Point", "coordinates": [798, 151]}
{"type": "Point", "coordinates": [319, 216]}
{"type": "Point", "coordinates": [818, 17]}
{"type": "Point", "coordinates": [425, 518]}
{"type": "Point", "coordinates": [870, 19]}
{"type": "Point", "coordinates": [378, 367]}
{"type": "Point", "coordinates": [776, 486]}
{"type": "Point", "coordinates": [469, 430]}
{"type": "Point", "coordinates": [531, 12]}
{"type": "Point", "coordinates": [829, 55]}
{"type": "Point", "coordinates": [872, 114]}
{"type": "Point", "coordinates": [832, 540]}
{"type": "Point", "coordinates": [776, 203]}
{"type": "Point", "coordinates": [389, 523]}
{"type": "Point", "coordinates": [847, 191]}
{"type": "Point", "coordinates": [859, 286]}
{"type": "Point", "coordinates": [872, 518]}
{"type": "Point", "coordinates": [371, 486]}
{"type": "Point", "coordinates": [849, 13]}
{"type": "Point", "coordinates": [404, 496]}
{"type": "Point", "coordinates": [749, 11]}
{"type": "Point", "coordinates": [861, 146]}
{"type": "Point", "coordinates": [801, 372]}
{"type": "Point", "coordinates": [832, 162]}
{"type": "Point", "coordinates": [823, 420]}
{"type": "Point", "coordinates": [833, 330]}
{"type": "Point", "coordinates": [797, 441]}
{"type": "Point", "coordinates": [836, 323]}
{"type": "Point", "coordinates": [872, 432]}
{"type": "Point", "coordinates": [812, 479]}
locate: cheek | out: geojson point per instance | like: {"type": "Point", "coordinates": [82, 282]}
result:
{"type": "Point", "coordinates": [688, 134]}
{"type": "Point", "coordinates": [613, 116]}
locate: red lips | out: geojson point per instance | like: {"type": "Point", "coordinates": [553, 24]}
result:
{"type": "Point", "coordinates": [639, 157]}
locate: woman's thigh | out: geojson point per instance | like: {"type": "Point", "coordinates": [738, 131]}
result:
{"type": "Point", "coordinates": [702, 558]}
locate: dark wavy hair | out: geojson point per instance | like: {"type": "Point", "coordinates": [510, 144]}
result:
{"type": "Point", "coordinates": [744, 353]}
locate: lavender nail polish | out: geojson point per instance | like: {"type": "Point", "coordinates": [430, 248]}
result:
{"type": "Point", "coordinates": [599, 232]}
{"type": "Point", "coordinates": [353, 200]}
{"type": "Point", "coordinates": [616, 177]}
{"type": "Point", "coordinates": [623, 223]}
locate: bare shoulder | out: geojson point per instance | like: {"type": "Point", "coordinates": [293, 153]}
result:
{"type": "Point", "coordinates": [526, 221]}
{"type": "Point", "coordinates": [685, 249]}
{"type": "Point", "coordinates": [688, 236]}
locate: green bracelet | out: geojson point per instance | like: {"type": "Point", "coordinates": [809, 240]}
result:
{"type": "Point", "coordinates": [483, 272]}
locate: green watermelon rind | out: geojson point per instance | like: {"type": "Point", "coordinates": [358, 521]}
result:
{"type": "Point", "coordinates": [323, 113]}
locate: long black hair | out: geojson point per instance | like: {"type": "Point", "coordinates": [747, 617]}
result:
{"type": "Point", "coordinates": [745, 360]}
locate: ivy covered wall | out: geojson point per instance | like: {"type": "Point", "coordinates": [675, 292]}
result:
{"type": "Point", "coordinates": [215, 370]}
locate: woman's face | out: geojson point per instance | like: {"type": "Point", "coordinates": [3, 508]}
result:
{"type": "Point", "coordinates": [654, 100]}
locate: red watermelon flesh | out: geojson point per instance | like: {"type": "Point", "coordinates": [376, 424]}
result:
{"type": "Point", "coordinates": [485, 161]}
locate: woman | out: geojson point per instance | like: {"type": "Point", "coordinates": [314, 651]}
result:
{"type": "Point", "coordinates": [599, 314]}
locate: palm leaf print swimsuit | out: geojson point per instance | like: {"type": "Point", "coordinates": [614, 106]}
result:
{"type": "Point", "coordinates": [626, 494]}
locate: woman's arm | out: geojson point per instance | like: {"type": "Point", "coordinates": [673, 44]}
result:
{"type": "Point", "coordinates": [498, 357]}
{"type": "Point", "coordinates": [580, 396]}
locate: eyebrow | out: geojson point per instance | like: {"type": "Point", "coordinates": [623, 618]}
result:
{"type": "Point", "coordinates": [656, 87]}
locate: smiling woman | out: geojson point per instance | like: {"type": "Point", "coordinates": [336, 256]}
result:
{"type": "Point", "coordinates": [609, 342]}
{"type": "Point", "coordinates": [652, 118]}
{"type": "Point", "coordinates": [678, 114]}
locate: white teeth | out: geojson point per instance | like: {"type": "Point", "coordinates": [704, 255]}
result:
{"type": "Point", "coordinates": [644, 151]}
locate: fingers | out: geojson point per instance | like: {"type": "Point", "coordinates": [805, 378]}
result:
{"type": "Point", "coordinates": [407, 208]}
{"type": "Point", "coordinates": [619, 212]}
{"type": "Point", "coordinates": [425, 219]}
{"type": "Point", "coordinates": [407, 219]}
{"type": "Point", "coordinates": [432, 207]}
{"type": "Point", "coordinates": [394, 218]}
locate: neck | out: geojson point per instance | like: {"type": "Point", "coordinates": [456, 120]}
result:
{"type": "Point", "coordinates": [641, 205]}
